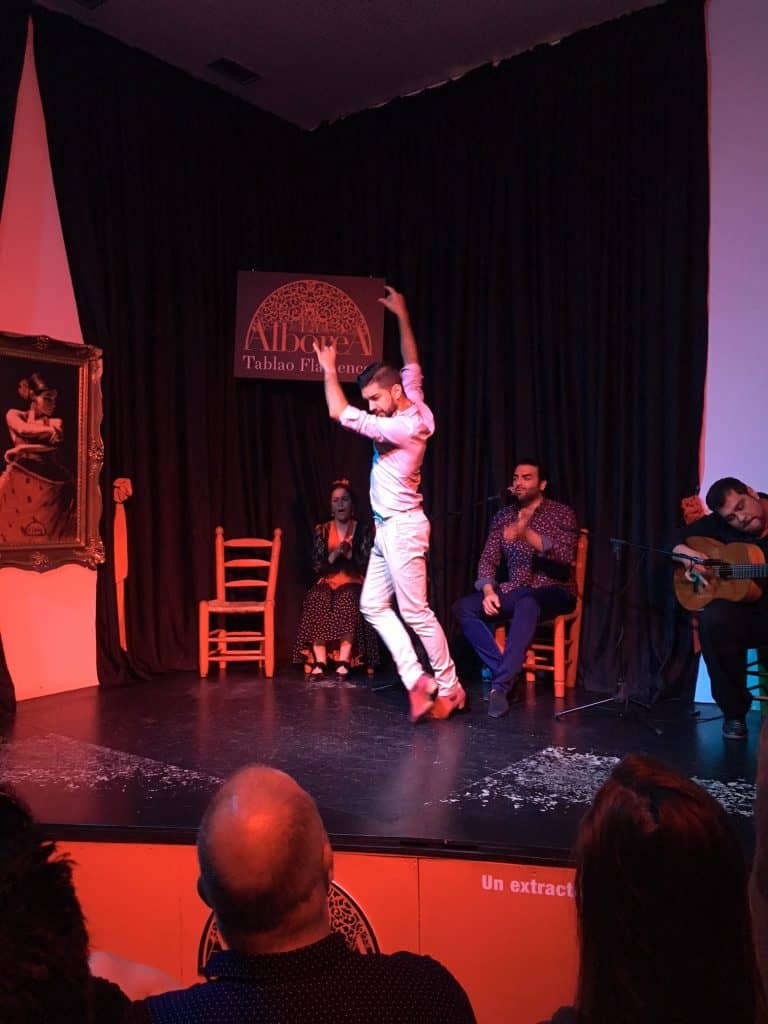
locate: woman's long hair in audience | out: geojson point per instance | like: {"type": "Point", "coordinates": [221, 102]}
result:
{"type": "Point", "coordinates": [44, 972]}
{"type": "Point", "coordinates": [661, 895]}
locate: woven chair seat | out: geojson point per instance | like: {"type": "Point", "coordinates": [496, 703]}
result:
{"type": "Point", "coordinates": [236, 606]}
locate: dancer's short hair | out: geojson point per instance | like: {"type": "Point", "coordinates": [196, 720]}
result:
{"type": "Point", "coordinates": [379, 373]}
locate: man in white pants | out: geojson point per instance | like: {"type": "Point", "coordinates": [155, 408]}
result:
{"type": "Point", "coordinates": [399, 424]}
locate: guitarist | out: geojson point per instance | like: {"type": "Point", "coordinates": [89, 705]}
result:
{"type": "Point", "coordinates": [726, 629]}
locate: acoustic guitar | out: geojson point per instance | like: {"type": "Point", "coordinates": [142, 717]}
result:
{"type": "Point", "coordinates": [736, 569]}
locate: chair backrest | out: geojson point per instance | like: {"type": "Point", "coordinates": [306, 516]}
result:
{"type": "Point", "coordinates": [580, 565]}
{"type": "Point", "coordinates": [258, 554]}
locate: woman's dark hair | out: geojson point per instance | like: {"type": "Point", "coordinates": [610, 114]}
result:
{"type": "Point", "coordinates": [345, 484]}
{"type": "Point", "coordinates": [661, 895]}
{"type": "Point", "coordinates": [33, 385]}
{"type": "Point", "coordinates": [43, 939]}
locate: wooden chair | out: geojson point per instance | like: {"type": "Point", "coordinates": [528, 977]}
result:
{"type": "Point", "coordinates": [262, 558]}
{"type": "Point", "coordinates": [555, 647]}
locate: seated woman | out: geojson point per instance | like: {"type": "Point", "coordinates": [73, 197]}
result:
{"type": "Point", "coordinates": [661, 901]}
{"type": "Point", "coordinates": [331, 612]}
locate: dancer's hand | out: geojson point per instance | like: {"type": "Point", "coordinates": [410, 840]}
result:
{"type": "Point", "coordinates": [394, 301]}
{"type": "Point", "coordinates": [326, 355]}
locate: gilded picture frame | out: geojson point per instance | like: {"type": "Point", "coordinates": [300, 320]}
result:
{"type": "Point", "coordinates": [52, 453]}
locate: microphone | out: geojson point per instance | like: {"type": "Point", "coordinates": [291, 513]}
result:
{"type": "Point", "coordinates": [616, 546]}
{"type": "Point", "coordinates": [475, 504]}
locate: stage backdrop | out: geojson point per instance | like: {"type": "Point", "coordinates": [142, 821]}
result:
{"type": "Point", "coordinates": [547, 218]}
{"type": "Point", "coordinates": [506, 931]}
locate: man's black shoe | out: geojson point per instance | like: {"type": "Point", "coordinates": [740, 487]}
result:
{"type": "Point", "coordinates": [734, 729]}
{"type": "Point", "coordinates": [516, 692]}
{"type": "Point", "coordinates": [498, 704]}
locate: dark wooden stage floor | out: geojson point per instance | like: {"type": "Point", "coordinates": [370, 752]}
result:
{"type": "Point", "coordinates": [139, 763]}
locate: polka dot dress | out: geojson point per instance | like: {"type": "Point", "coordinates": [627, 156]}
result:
{"type": "Point", "coordinates": [329, 613]}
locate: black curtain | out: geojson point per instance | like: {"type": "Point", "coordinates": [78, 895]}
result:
{"type": "Point", "coordinates": [13, 35]}
{"type": "Point", "coordinates": [547, 220]}
{"type": "Point", "coordinates": [14, 15]}
{"type": "Point", "coordinates": [150, 170]}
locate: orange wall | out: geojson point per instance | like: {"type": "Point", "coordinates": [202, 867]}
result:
{"type": "Point", "coordinates": [506, 931]}
{"type": "Point", "coordinates": [47, 620]}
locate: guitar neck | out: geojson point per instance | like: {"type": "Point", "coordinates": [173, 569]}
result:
{"type": "Point", "coordinates": [741, 571]}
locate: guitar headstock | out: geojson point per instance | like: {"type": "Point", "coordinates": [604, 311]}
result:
{"type": "Point", "coordinates": [693, 508]}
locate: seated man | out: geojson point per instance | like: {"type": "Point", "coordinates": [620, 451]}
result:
{"type": "Point", "coordinates": [265, 868]}
{"type": "Point", "coordinates": [538, 539]}
{"type": "Point", "coordinates": [728, 629]}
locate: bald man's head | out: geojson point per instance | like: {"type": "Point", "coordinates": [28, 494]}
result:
{"type": "Point", "coordinates": [265, 860]}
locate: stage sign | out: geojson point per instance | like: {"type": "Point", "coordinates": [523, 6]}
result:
{"type": "Point", "coordinates": [475, 917]}
{"type": "Point", "coordinates": [279, 316]}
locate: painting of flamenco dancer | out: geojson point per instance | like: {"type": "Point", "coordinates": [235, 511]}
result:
{"type": "Point", "coordinates": [50, 401]}
{"type": "Point", "coordinates": [37, 490]}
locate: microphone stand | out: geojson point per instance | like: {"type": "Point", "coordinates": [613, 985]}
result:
{"type": "Point", "coordinates": [621, 699]}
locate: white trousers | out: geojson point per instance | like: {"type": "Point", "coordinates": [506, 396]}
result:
{"type": "Point", "coordinates": [398, 567]}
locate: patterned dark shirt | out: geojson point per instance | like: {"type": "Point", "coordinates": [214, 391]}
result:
{"type": "Point", "coordinates": [325, 983]}
{"type": "Point", "coordinates": [526, 567]}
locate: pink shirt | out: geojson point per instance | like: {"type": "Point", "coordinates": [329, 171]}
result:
{"type": "Point", "coordinates": [399, 444]}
